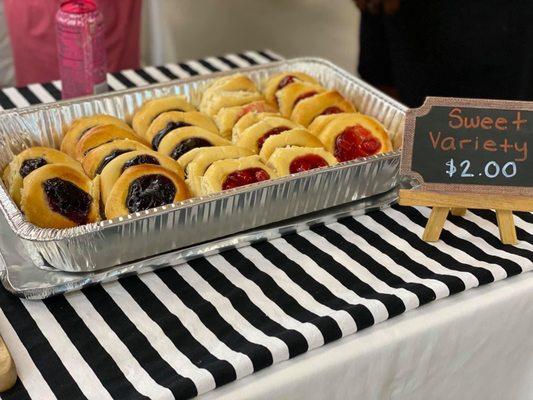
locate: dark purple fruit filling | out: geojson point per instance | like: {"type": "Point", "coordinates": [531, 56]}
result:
{"type": "Point", "coordinates": [187, 145]}
{"type": "Point", "coordinates": [31, 165]}
{"type": "Point", "coordinates": [140, 159]}
{"type": "Point", "coordinates": [156, 141]}
{"type": "Point", "coordinates": [110, 157]}
{"type": "Point", "coordinates": [150, 191]}
{"type": "Point", "coordinates": [67, 199]}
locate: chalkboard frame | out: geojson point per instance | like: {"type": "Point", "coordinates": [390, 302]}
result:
{"type": "Point", "coordinates": [406, 168]}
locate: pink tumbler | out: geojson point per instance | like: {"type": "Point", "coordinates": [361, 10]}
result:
{"type": "Point", "coordinates": [81, 48]}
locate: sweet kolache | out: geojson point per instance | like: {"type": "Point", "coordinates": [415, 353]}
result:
{"type": "Point", "coordinates": [240, 135]}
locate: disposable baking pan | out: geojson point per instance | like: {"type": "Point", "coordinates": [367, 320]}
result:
{"type": "Point", "coordinates": [140, 235]}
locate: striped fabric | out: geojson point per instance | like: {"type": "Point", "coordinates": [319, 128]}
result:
{"type": "Point", "coordinates": [182, 331]}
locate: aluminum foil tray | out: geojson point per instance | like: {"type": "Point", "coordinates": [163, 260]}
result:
{"type": "Point", "coordinates": [145, 234]}
{"type": "Point", "coordinates": [22, 277]}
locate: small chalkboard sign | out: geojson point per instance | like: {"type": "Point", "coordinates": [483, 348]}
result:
{"type": "Point", "coordinates": [468, 153]}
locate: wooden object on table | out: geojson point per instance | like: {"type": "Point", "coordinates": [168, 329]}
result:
{"type": "Point", "coordinates": [8, 372]}
{"type": "Point", "coordinates": [469, 153]}
{"type": "Point", "coordinates": [442, 203]}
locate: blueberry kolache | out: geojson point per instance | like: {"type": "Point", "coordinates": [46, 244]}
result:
{"type": "Point", "coordinates": [151, 109]}
{"type": "Point", "coordinates": [59, 196]}
{"type": "Point", "coordinates": [169, 121]}
{"type": "Point", "coordinates": [83, 125]}
{"type": "Point", "coordinates": [100, 135]}
{"type": "Point", "coordinates": [180, 141]}
{"type": "Point", "coordinates": [29, 160]}
{"type": "Point", "coordinates": [115, 168]}
{"type": "Point", "coordinates": [143, 187]}
{"type": "Point", "coordinates": [96, 160]}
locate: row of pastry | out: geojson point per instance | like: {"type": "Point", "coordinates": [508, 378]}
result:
{"type": "Point", "coordinates": [239, 135]}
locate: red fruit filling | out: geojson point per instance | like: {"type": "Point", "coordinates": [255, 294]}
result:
{"type": "Point", "coordinates": [303, 96]}
{"type": "Point", "coordinates": [274, 131]}
{"type": "Point", "coordinates": [252, 107]}
{"type": "Point", "coordinates": [245, 177]}
{"type": "Point", "coordinates": [331, 110]}
{"type": "Point", "coordinates": [354, 142]}
{"type": "Point", "coordinates": [286, 81]}
{"type": "Point", "coordinates": [307, 162]}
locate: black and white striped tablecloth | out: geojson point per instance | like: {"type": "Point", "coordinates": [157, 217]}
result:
{"type": "Point", "coordinates": [186, 330]}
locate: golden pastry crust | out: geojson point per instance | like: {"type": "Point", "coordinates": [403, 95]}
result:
{"type": "Point", "coordinates": [227, 117]}
{"type": "Point", "coordinates": [294, 137]}
{"type": "Point", "coordinates": [207, 156]}
{"type": "Point", "coordinates": [252, 135]}
{"type": "Point", "coordinates": [292, 94]}
{"type": "Point", "coordinates": [150, 109]}
{"type": "Point", "coordinates": [215, 176]}
{"type": "Point", "coordinates": [336, 126]}
{"type": "Point", "coordinates": [160, 126]}
{"type": "Point", "coordinates": [308, 109]}
{"type": "Point", "coordinates": [176, 137]}
{"type": "Point", "coordinates": [14, 180]}
{"type": "Point", "coordinates": [272, 85]}
{"type": "Point", "coordinates": [100, 135]}
{"type": "Point", "coordinates": [115, 168]}
{"type": "Point", "coordinates": [231, 83]}
{"type": "Point", "coordinates": [96, 159]}
{"type": "Point", "coordinates": [229, 91]}
{"type": "Point", "coordinates": [116, 205]}
{"type": "Point", "coordinates": [319, 123]}
{"type": "Point", "coordinates": [82, 125]}
{"type": "Point", "coordinates": [35, 203]}
{"type": "Point", "coordinates": [248, 120]}
{"type": "Point", "coordinates": [219, 100]}
{"type": "Point", "coordinates": [282, 157]}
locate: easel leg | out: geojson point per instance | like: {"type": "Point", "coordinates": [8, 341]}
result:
{"type": "Point", "coordinates": [435, 224]}
{"type": "Point", "coordinates": [506, 226]}
{"type": "Point", "coordinates": [458, 212]}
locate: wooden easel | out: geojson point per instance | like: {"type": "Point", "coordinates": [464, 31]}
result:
{"type": "Point", "coordinates": [8, 372]}
{"type": "Point", "coordinates": [458, 203]}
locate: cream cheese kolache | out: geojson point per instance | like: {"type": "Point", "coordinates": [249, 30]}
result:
{"type": "Point", "coordinates": [242, 132]}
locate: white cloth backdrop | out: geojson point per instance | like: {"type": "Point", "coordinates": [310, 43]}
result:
{"type": "Point", "coordinates": [473, 345]}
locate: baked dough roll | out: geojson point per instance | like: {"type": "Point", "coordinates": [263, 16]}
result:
{"type": "Point", "coordinates": [95, 160]}
{"type": "Point", "coordinates": [248, 120]}
{"type": "Point", "coordinates": [331, 102]}
{"type": "Point", "coordinates": [254, 136]}
{"type": "Point", "coordinates": [229, 91]}
{"type": "Point", "coordinates": [180, 141]}
{"type": "Point", "coordinates": [116, 167]}
{"type": "Point", "coordinates": [231, 83]}
{"type": "Point", "coordinates": [351, 136]}
{"type": "Point", "coordinates": [294, 137]}
{"type": "Point", "coordinates": [227, 117]}
{"type": "Point", "coordinates": [288, 97]}
{"type": "Point", "coordinates": [279, 81]}
{"type": "Point", "coordinates": [144, 187]}
{"type": "Point", "coordinates": [221, 100]}
{"type": "Point", "coordinates": [81, 126]}
{"type": "Point", "coordinates": [229, 174]}
{"type": "Point", "coordinates": [207, 156]}
{"type": "Point", "coordinates": [58, 196]}
{"type": "Point", "coordinates": [100, 135]}
{"type": "Point", "coordinates": [171, 120]}
{"type": "Point", "coordinates": [292, 159]}
{"type": "Point", "coordinates": [319, 123]}
{"type": "Point", "coordinates": [28, 161]}
{"type": "Point", "coordinates": [150, 109]}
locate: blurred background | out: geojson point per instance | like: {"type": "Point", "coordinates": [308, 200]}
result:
{"type": "Point", "coordinates": [177, 30]}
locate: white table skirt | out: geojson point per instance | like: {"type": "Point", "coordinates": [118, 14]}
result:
{"type": "Point", "coordinates": [475, 345]}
